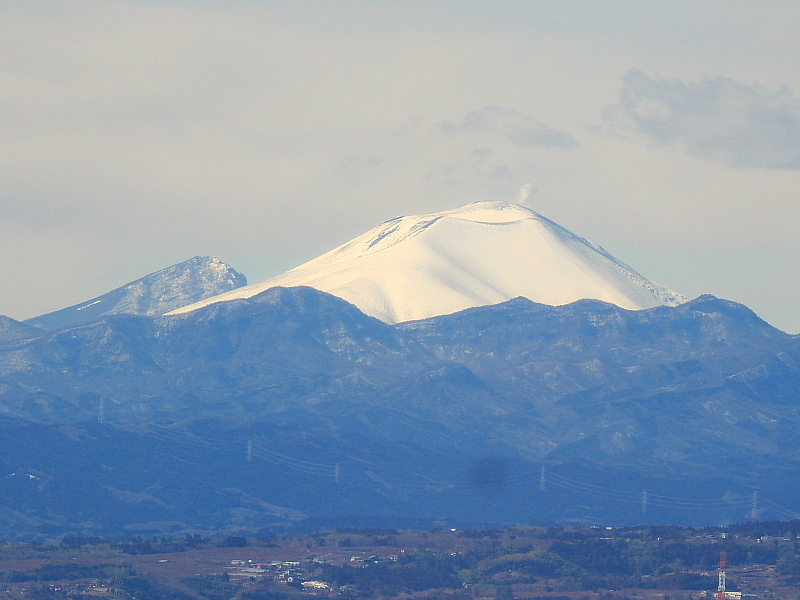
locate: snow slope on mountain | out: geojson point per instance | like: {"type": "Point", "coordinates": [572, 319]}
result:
{"type": "Point", "coordinates": [14, 330]}
{"type": "Point", "coordinates": [416, 267]}
{"type": "Point", "coordinates": [189, 281]}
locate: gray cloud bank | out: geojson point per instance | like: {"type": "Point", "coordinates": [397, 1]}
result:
{"type": "Point", "coordinates": [518, 128]}
{"type": "Point", "coordinates": [745, 126]}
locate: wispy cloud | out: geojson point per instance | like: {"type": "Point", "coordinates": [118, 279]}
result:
{"type": "Point", "coordinates": [518, 128]}
{"type": "Point", "coordinates": [745, 126]}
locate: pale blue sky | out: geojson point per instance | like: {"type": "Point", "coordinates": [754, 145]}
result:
{"type": "Point", "coordinates": [134, 134]}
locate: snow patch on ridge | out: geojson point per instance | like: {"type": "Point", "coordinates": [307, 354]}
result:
{"type": "Point", "coordinates": [154, 294]}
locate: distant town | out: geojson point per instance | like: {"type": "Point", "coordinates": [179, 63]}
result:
{"type": "Point", "coordinates": [748, 560]}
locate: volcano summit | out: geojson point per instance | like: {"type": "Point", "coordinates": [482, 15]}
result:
{"type": "Point", "coordinates": [416, 267]}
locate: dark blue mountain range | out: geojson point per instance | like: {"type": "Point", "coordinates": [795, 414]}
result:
{"type": "Point", "coordinates": [293, 407]}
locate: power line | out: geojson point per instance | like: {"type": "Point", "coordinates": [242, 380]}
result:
{"type": "Point", "coordinates": [547, 479]}
{"type": "Point", "coordinates": [781, 512]}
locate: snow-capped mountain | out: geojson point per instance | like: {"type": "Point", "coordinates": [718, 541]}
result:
{"type": "Point", "coordinates": [421, 266]}
{"type": "Point", "coordinates": [189, 281]}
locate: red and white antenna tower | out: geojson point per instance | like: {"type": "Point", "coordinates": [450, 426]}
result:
{"type": "Point", "coordinates": [723, 562]}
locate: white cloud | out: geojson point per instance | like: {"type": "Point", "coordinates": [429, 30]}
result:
{"type": "Point", "coordinates": [745, 126]}
{"type": "Point", "coordinates": [517, 128]}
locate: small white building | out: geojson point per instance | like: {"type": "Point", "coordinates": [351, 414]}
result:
{"type": "Point", "coordinates": [316, 586]}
